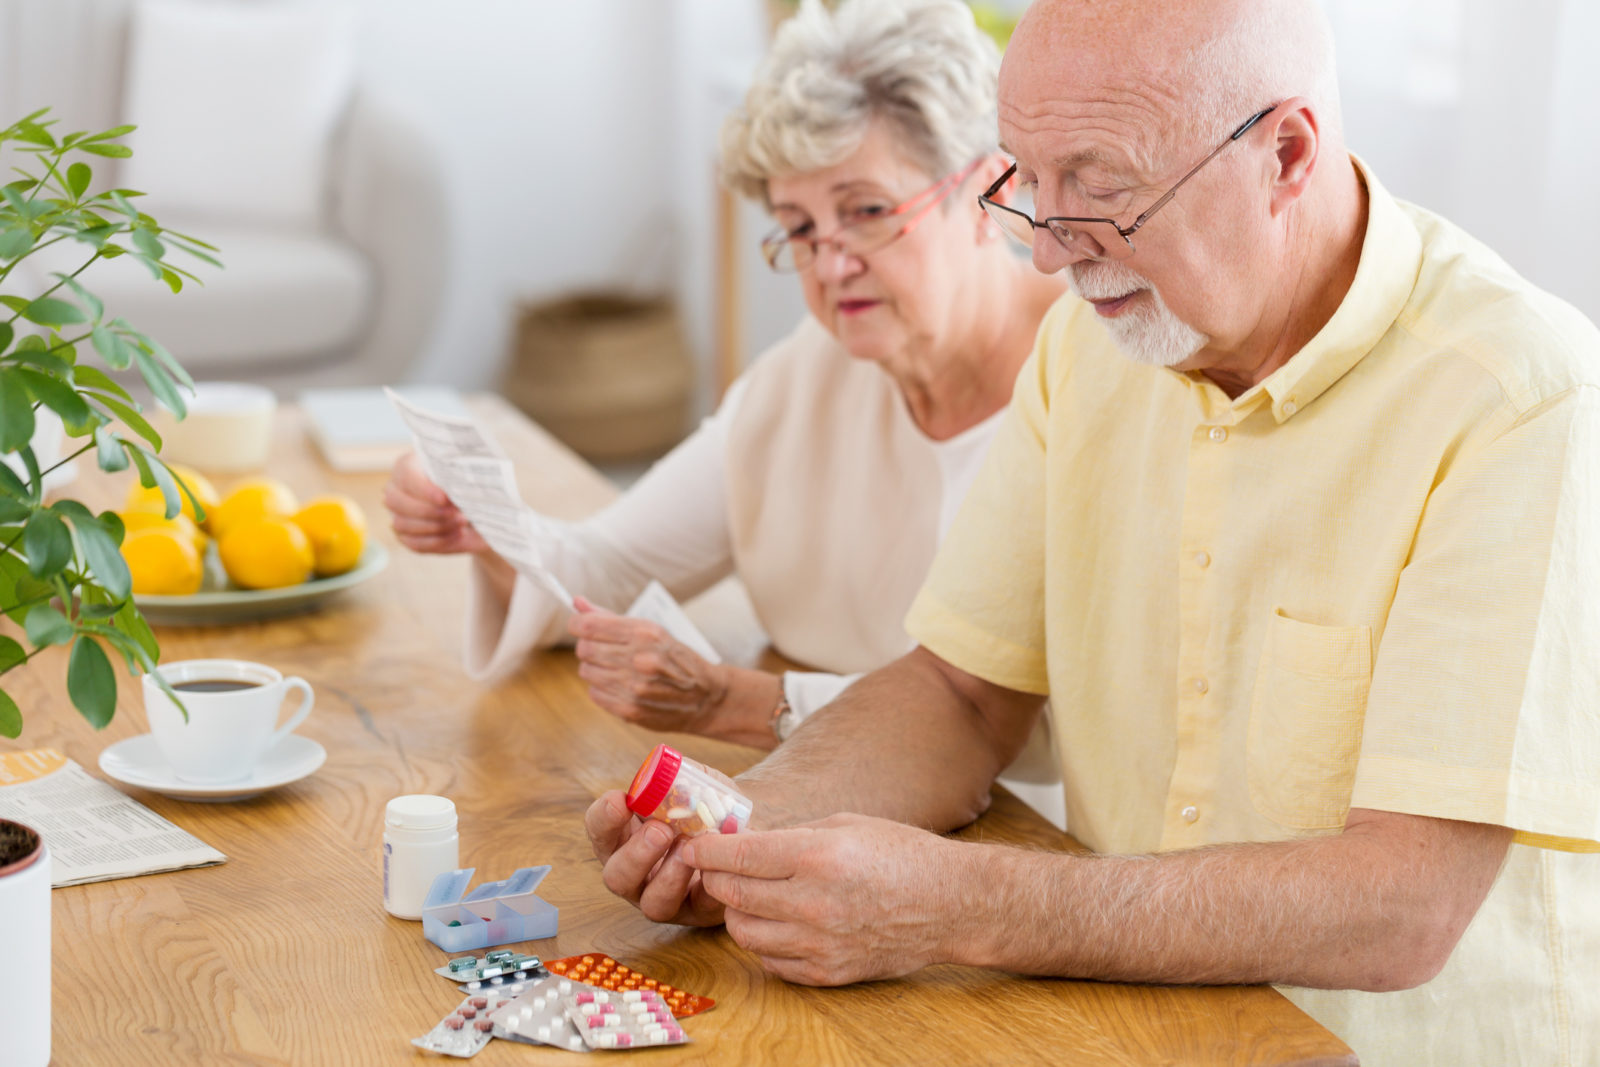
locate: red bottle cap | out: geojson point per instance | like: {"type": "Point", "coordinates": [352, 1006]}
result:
{"type": "Point", "coordinates": [653, 780]}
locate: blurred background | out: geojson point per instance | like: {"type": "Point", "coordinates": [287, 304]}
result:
{"type": "Point", "coordinates": [521, 194]}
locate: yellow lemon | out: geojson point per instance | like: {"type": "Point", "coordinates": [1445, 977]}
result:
{"type": "Point", "coordinates": [162, 561]}
{"type": "Point", "coordinates": [265, 553]}
{"type": "Point", "coordinates": [151, 500]}
{"type": "Point", "coordinates": [337, 530]}
{"type": "Point", "coordinates": [253, 499]}
{"type": "Point", "coordinates": [152, 520]}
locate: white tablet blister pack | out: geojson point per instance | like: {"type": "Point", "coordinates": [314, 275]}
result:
{"type": "Point", "coordinates": [538, 1015]}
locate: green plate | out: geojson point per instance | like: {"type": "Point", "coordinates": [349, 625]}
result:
{"type": "Point", "coordinates": [219, 601]}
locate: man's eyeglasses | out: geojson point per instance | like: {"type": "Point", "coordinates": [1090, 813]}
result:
{"type": "Point", "coordinates": [787, 253]}
{"type": "Point", "coordinates": [1094, 238]}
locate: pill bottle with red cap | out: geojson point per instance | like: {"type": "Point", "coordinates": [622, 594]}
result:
{"type": "Point", "coordinates": [686, 796]}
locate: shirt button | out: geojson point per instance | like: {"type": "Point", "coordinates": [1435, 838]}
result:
{"type": "Point", "coordinates": [1290, 407]}
{"type": "Point", "coordinates": [1191, 813]}
{"type": "Point", "coordinates": [1202, 560]}
{"type": "Point", "coordinates": [1200, 685]}
{"type": "Point", "coordinates": [1218, 434]}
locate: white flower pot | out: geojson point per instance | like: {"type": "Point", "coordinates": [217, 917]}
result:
{"type": "Point", "coordinates": [25, 961]}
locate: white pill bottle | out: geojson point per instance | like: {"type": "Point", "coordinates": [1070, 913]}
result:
{"type": "Point", "coordinates": [419, 844]}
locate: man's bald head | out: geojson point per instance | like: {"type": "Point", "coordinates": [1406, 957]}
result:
{"type": "Point", "coordinates": [1195, 69]}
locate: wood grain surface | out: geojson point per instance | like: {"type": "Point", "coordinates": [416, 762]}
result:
{"type": "Point", "coordinates": [284, 954]}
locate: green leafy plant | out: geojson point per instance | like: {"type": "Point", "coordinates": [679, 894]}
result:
{"type": "Point", "coordinates": [63, 580]}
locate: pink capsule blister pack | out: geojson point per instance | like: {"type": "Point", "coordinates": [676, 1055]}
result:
{"type": "Point", "coordinates": [538, 1015]}
{"type": "Point", "coordinates": [463, 1032]}
{"type": "Point", "coordinates": [637, 1018]}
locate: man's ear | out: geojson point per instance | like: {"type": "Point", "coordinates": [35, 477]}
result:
{"type": "Point", "coordinates": [1297, 144]}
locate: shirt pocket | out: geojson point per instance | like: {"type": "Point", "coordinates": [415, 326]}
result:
{"type": "Point", "coordinates": [1306, 716]}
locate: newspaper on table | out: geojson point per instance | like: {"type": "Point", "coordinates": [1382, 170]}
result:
{"type": "Point", "coordinates": [478, 477]}
{"type": "Point", "coordinates": [94, 831]}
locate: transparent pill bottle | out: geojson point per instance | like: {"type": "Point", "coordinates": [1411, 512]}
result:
{"type": "Point", "coordinates": [686, 796]}
{"type": "Point", "coordinates": [419, 844]}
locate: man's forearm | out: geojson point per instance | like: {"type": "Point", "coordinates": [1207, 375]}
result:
{"type": "Point", "coordinates": [1377, 907]}
{"type": "Point", "coordinates": [902, 743]}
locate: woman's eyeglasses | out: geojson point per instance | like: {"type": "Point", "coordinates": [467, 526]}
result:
{"type": "Point", "coordinates": [797, 252]}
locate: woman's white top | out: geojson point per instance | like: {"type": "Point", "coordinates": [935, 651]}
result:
{"type": "Point", "coordinates": [812, 483]}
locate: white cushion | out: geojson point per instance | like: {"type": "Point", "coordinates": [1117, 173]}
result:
{"type": "Point", "coordinates": [283, 296]}
{"type": "Point", "coordinates": [236, 105]}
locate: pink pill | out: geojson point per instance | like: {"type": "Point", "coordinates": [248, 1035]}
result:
{"type": "Point", "coordinates": [455, 1022]}
{"type": "Point", "coordinates": [484, 1024]}
{"type": "Point", "coordinates": [467, 1013]}
{"type": "Point", "coordinates": [480, 1002]}
{"type": "Point", "coordinates": [730, 825]}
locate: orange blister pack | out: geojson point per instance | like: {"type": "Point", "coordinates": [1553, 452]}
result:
{"type": "Point", "coordinates": [598, 969]}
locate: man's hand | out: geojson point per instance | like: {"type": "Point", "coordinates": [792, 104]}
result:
{"type": "Point", "coordinates": [847, 899]}
{"type": "Point", "coordinates": [422, 515]}
{"type": "Point", "coordinates": [642, 864]}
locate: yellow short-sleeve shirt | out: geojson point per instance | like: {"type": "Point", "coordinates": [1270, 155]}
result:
{"type": "Point", "coordinates": [1372, 580]}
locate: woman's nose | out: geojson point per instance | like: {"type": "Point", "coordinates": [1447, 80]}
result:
{"type": "Point", "coordinates": [834, 264]}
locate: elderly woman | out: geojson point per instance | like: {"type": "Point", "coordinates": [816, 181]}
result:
{"type": "Point", "coordinates": [828, 475]}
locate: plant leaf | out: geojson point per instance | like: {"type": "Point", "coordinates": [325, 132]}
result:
{"type": "Point", "coordinates": [47, 543]}
{"type": "Point", "coordinates": [16, 412]}
{"type": "Point", "coordinates": [108, 450]}
{"type": "Point", "coordinates": [6, 334]}
{"type": "Point", "coordinates": [99, 550]}
{"type": "Point", "coordinates": [91, 683]}
{"type": "Point", "coordinates": [47, 626]}
{"type": "Point", "coordinates": [160, 383]}
{"type": "Point", "coordinates": [10, 716]}
{"type": "Point", "coordinates": [11, 653]}
{"type": "Point", "coordinates": [90, 301]}
{"type": "Point", "coordinates": [130, 622]}
{"type": "Point", "coordinates": [117, 353]}
{"type": "Point", "coordinates": [168, 360]}
{"type": "Point", "coordinates": [156, 474]}
{"type": "Point", "coordinates": [94, 378]}
{"type": "Point", "coordinates": [113, 151]}
{"type": "Point", "coordinates": [149, 244]}
{"type": "Point", "coordinates": [132, 420]}
{"type": "Point", "coordinates": [78, 178]}
{"type": "Point", "coordinates": [49, 311]}
{"type": "Point", "coordinates": [16, 243]}
{"type": "Point", "coordinates": [59, 397]}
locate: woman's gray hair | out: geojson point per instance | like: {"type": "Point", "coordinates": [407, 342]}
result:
{"type": "Point", "coordinates": [921, 66]}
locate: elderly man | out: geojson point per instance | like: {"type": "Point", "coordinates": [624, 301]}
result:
{"type": "Point", "coordinates": [1296, 519]}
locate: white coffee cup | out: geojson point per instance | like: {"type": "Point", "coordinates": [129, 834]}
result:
{"type": "Point", "coordinates": [230, 727]}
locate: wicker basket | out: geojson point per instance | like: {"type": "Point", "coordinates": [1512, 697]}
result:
{"type": "Point", "coordinates": [608, 374]}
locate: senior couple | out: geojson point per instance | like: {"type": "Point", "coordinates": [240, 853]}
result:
{"type": "Point", "coordinates": [1292, 517]}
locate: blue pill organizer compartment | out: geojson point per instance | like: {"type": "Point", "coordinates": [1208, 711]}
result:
{"type": "Point", "coordinates": [495, 913]}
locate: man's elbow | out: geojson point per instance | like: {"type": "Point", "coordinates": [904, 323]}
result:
{"type": "Point", "coordinates": [1413, 953]}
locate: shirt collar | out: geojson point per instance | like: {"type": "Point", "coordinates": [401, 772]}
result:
{"type": "Point", "coordinates": [1391, 256]}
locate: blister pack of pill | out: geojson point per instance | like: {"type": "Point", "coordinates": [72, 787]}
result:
{"type": "Point", "coordinates": [637, 1018]}
{"type": "Point", "coordinates": [539, 1016]}
{"type": "Point", "coordinates": [502, 963]}
{"type": "Point", "coordinates": [510, 985]}
{"type": "Point", "coordinates": [598, 969]}
{"type": "Point", "coordinates": [462, 1033]}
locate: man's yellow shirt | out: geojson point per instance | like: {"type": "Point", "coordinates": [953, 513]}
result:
{"type": "Point", "coordinates": [1372, 580]}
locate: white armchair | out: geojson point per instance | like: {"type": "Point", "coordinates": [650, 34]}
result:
{"type": "Point", "coordinates": [349, 297]}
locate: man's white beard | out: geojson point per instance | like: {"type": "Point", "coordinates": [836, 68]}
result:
{"type": "Point", "coordinates": [1152, 334]}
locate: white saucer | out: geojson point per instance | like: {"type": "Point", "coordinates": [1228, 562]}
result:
{"type": "Point", "coordinates": [138, 761]}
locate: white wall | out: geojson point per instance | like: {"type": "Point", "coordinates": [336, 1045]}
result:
{"type": "Point", "coordinates": [557, 121]}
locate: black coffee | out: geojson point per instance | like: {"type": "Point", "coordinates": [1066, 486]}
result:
{"type": "Point", "coordinates": [213, 685]}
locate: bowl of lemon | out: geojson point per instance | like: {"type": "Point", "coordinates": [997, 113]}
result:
{"type": "Point", "coordinates": [259, 551]}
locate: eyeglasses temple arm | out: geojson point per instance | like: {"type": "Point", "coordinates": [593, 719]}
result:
{"type": "Point", "coordinates": [1232, 137]}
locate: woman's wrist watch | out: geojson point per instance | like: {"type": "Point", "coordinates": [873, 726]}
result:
{"type": "Point", "coordinates": [782, 715]}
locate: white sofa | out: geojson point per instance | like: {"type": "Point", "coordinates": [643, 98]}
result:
{"type": "Point", "coordinates": [347, 298]}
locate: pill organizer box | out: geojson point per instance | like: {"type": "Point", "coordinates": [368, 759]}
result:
{"type": "Point", "coordinates": [495, 913]}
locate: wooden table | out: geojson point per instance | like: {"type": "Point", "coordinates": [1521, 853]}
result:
{"type": "Point", "coordinates": [285, 955]}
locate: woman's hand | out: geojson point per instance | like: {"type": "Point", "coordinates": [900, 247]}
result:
{"type": "Point", "coordinates": [640, 673]}
{"type": "Point", "coordinates": [422, 516]}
